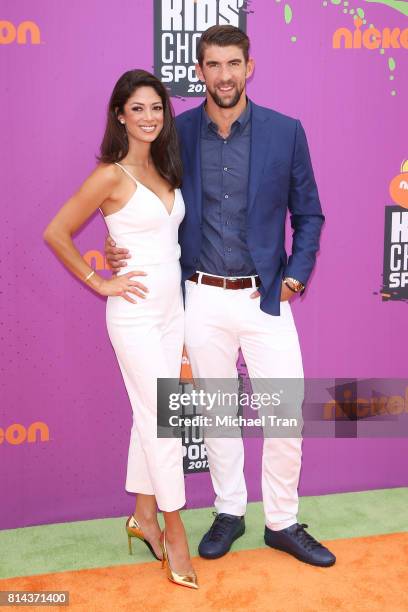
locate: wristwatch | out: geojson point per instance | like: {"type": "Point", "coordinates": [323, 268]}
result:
{"type": "Point", "coordinates": [293, 284]}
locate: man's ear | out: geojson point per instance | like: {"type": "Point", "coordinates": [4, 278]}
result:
{"type": "Point", "coordinates": [199, 72]}
{"type": "Point", "coordinates": [250, 67]}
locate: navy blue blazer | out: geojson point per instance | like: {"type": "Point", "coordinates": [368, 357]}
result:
{"type": "Point", "coordinates": [280, 178]}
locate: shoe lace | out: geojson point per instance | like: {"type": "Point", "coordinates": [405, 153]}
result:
{"type": "Point", "coordinates": [304, 538]}
{"type": "Point", "coordinates": [220, 526]}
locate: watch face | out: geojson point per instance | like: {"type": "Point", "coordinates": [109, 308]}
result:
{"type": "Point", "coordinates": [294, 284]}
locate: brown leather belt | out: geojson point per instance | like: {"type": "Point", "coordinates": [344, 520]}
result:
{"type": "Point", "coordinates": [225, 283]}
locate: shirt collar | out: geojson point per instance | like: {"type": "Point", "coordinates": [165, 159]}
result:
{"type": "Point", "coordinates": [242, 120]}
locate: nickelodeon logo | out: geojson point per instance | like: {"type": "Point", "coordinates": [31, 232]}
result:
{"type": "Point", "coordinates": [26, 33]}
{"type": "Point", "coordinates": [18, 434]}
{"type": "Point", "coordinates": [399, 186]}
{"type": "Point", "coordinates": [96, 260]}
{"type": "Point", "coordinates": [186, 375]}
{"type": "Point", "coordinates": [361, 408]}
{"type": "Point", "coordinates": [370, 38]}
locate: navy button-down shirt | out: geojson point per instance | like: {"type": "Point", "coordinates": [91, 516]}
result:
{"type": "Point", "coordinates": [224, 172]}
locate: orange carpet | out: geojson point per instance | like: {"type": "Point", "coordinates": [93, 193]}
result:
{"type": "Point", "coordinates": [371, 573]}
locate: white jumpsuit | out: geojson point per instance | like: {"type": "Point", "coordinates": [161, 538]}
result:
{"type": "Point", "coordinates": [148, 337]}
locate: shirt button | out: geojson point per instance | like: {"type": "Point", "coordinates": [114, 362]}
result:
{"type": "Point", "coordinates": [226, 196]}
{"type": "Point", "coordinates": [225, 141]}
{"type": "Point", "coordinates": [229, 249]}
{"type": "Point", "coordinates": [225, 169]}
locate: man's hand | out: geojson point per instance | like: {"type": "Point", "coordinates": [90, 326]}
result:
{"type": "Point", "coordinates": [115, 257]}
{"type": "Point", "coordinates": [286, 294]}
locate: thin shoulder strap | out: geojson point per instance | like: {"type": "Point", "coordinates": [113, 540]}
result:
{"type": "Point", "coordinates": [127, 172]}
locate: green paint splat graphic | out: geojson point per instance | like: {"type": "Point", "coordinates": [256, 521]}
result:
{"type": "Point", "coordinates": [288, 14]}
{"type": "Point", "coordinates": [392, 65]}
{"type": "Point", "coordinates": [360, 13]}
{"type": "Point", "coordinates": [397, 5]}
{"type": "Point", "coordinates": [336, 1]}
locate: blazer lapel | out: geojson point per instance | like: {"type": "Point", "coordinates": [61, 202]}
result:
{"type": "Point", "coordinates": [260, 141]}
{"type": "Point", "coordinates": [192, 161]}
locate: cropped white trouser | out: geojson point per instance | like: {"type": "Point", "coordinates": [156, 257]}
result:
{"type": "Point", "coordinates": [148, 341]}
{"type": "Point", "coordinates": [217, 323]}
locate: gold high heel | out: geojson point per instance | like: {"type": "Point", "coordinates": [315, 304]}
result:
{"type": "Point", "coordinates": [134, 531]}
{"type": "Point", "coordinates": [187, 580]}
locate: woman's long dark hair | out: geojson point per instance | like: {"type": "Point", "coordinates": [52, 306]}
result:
{"type": "Point", "coordinates": [164, 150]}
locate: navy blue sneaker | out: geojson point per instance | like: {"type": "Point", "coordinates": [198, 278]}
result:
{"type": "Point", "coordinates": [225, 529]}
{"type": "Point", "coordinates": [297, 542]}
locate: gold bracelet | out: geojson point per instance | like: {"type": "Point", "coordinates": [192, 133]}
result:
{"type": "Point", "coordinates": [89, 275]}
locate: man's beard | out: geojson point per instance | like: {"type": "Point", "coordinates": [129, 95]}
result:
{"type": "Point", "coordinates": [223, 104]}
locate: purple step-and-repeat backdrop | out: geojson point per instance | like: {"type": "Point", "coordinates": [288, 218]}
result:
{"type": "Point", "coordinates": [339, 66]}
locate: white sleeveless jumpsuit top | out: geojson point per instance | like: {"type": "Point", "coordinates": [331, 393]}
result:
{"type": "Point", "coordinates": [144, 226]}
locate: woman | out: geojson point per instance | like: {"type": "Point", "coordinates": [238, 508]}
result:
{"type": "Point", "coordinates": [136, 186]}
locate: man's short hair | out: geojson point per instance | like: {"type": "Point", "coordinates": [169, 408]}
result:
{"type": "Point", "coordinates": [222, 36]}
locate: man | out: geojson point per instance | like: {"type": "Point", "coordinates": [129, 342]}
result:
{"type": "Point", "coordinates": [244, 166]}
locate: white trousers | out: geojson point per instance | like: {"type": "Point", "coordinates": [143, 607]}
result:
{"type": "Point", "coordinates": [148, 342]}
{"type": "Point", "coordinates": [217, 323]}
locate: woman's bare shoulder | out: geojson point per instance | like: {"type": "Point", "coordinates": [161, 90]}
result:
{"type": "Point", "coordinates": [109, 173]}
{"type": "Point", "coordinates": [102, 182]}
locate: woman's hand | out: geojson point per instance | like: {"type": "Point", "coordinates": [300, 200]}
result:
{"type": "Point", "coordinates": [122, 285]}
